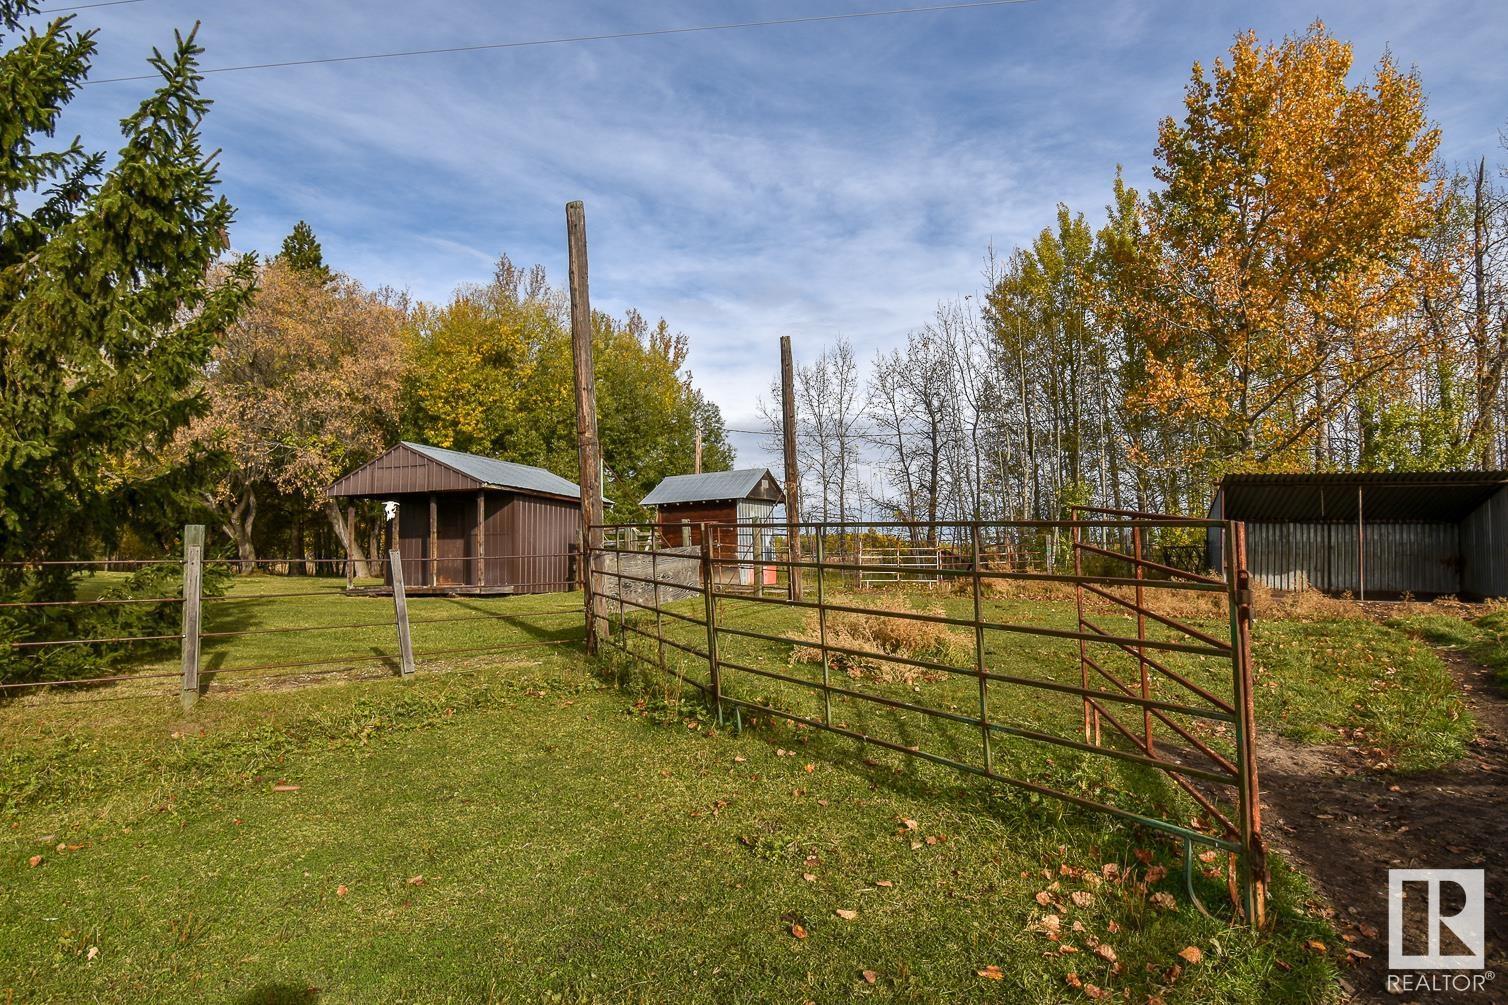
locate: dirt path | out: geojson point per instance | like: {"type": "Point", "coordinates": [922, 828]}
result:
{"type": "Point", "coordinates": [1345, 825]}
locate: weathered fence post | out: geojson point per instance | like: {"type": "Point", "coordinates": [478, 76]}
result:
{"type": "Point", "coordinates": [710, 594]}
{"type": "Point", "coordinates": [400, 612]}
{"type": "Point", "coordinates": [193, 588]}
{"type": "Point", "coordinates": [757, 554]}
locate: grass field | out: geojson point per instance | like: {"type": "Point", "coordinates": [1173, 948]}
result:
{"type": "Point", "coordinates": [515, 828]}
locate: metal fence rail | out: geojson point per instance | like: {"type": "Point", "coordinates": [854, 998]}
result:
{"type": "Point", "coordinates": [1161, 694]}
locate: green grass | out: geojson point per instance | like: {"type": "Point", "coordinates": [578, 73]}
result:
{"type": "Point", "coordinates": [1484, 639]}
{"type": "Point", "coordinates": [1356, 682]}
{"type": "Point", "coordinates": [572, 847]}
{"type": "Point", "coordinates": [580, 842]}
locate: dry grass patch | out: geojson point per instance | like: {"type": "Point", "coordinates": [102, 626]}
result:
{"type": "Point", "coordinates": [885, 634]}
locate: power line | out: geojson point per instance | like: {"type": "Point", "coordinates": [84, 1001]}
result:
{"type": "Point", "coordinates": [86, 6]}
{"type": "Point", "coordinates": [775, 22]}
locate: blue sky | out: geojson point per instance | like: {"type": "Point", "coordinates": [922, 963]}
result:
{"type": "Point", "coordinates": [814, 181]}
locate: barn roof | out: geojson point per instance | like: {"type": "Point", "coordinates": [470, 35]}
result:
{"type": "Point", "coordinates": [418, 467]}
{"type": "Point", "coordinates": [1386, 496]}
{"type": "Point", "coordinates": [712, 486]}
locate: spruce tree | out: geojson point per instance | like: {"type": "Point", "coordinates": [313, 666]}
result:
{"type": "Point", "coordinates": [301, 251]}
{"type": "Point", "coordinates": [112, 294]}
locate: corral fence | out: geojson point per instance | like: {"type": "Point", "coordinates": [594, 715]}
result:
{"type": "Point", "coordinates": [224, 636]}
{"type": "Point", "coordinates": [980, 661]}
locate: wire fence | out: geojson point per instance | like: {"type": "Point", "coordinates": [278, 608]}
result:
{"type": "Point", "coordinates": [257, 633]}
{"type": "Point", "coordinates": [1104, 678]}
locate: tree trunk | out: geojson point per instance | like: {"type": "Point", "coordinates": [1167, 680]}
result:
{"type": "Point", "coordinates": [237, 524]}
{"type": "Point", "coordinates": [351, 543]}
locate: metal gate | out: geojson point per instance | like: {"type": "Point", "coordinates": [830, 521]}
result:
{"type": "Point", "coordinates": [1100, 656]}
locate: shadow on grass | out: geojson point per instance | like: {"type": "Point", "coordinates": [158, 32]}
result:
{"type": "Point", "coordinates": [278, 993]}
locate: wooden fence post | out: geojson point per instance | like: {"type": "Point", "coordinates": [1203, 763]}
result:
{"type": "Point", "coordinates": [709, 593]}
{"type": "Point", "coordinates": [400, 612]}
{"type": "Point", "coordinates": [193, 587]}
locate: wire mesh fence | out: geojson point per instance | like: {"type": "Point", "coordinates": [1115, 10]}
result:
{"type": "Point", "coordinates": [221, 624]}
{"type": "Point", "coordinates": [1058, 657]}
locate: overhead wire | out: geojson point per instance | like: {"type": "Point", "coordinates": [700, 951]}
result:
{"type": "Point", "coordinates": [599, 37]}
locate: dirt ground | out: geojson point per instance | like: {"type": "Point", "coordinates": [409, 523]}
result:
{"type": "Point", "coordinates": [1345, 824]}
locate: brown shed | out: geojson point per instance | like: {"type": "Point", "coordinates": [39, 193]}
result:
{"type": "Point", "coordinates": [682, 503]}
{"type": "Point", "coordinates": [472, 524]}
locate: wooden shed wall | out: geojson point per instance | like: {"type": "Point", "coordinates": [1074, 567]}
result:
{"type": "Point", "coordinates": [528, 541]}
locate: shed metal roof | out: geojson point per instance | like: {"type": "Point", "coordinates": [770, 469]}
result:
{"type": "Point", "coordinates": [418, 467]}
{"type": "Point", "coordinates": [1333, 497]}
{"type": "Point", "coordinates": [711, 486]}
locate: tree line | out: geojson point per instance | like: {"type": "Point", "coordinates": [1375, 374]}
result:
{"type": "Point", "coordinates": [1308, 287]}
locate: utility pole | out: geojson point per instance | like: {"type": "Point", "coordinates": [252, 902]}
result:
{"type": "Point", "coordinates": [588, 448]}
{"type": "Point", "coordinates": [698, 449]}
{"type": "Point", "coordinates": [792, 473]}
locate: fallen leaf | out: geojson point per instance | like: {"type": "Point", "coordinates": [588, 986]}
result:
{"type": "Point", "coordinates": [93, 952]}
{"type": "Point", "coordinates": [342, 890]}
{"type": "Point", "coordinates": [810, 877]}
{"type": "Point", "coordinates": [739, 758]}
{"type": "Point", "coordinates": [34, 861]}
{"type": "Point", "coordinates": [991, 973]}
{"type": "Point", "coordinates": [1081, 898]}
{"type": "Point", "coordinates": [1105, 952]}
{"type": "Point", "coordinates": [285, 788]}
{"type": "Point", "coordinates": [416, 881]}
{"type": "Point", "coordinates": [1317, 946]}
{"type": "Point", "coordinates": [1051, 923]}
{"type": "Point", "coordinates": [798, 931]}
{"type": "Point", "coordinates": [887, 884]}
{"type": "Point", "coordinates": [1191, 954]}
{"type": "Point", "coordinates": [910, 825]}
{"type": "Point", "coordinates": [869, 976]}
{"type": "Point", "coordinates": [1096, 992]}
{"type": "Point", "coordinates": [1164, 901]}
{"type": "Point", "coordinates": [1072, 979]}
{"type": "Point", "coordinates": [846, 914]}
{"type": "Point", "coordinates": [810, 768]}
{"type": "Point", "coordinates": [1044, 898]}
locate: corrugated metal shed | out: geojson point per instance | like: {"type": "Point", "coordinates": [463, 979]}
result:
{"type": "Point", "coordinates": [716, 486]}
{"type": "Point", "coordinates": [417, 467]}
{"type": "Point", "coordinates": [1427, 533]}
{"type": "Point", "coordinates": [1422, 496]}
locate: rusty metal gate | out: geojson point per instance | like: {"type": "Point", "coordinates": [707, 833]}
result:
{"type": "Point", "coordinates": [1036, 637]}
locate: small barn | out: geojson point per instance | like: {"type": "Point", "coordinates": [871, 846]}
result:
{"type": "Point", "coordinates": [1371, 534]}
{"type": "Point", "coordinates": [472, 524]}
{"type": "Point", "coordinates": [682, 503]}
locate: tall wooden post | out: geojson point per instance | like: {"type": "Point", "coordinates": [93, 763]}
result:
{"type": "Point", "coordinates": [792, 472]}
{"type": "Point", "coordinates": [698, 464]}
{"type": "Point", "coordinates": [193, 579]}
{"type": "Point", "coordinates": [589, 450]}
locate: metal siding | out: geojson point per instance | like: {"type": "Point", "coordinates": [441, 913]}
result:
{"type": "Point", "coordinates": [1484, 549]}
{"type": "Point", "coordinates": [540, 535]}
{"type": "Point", "coordinates": [1418, 558]}
{"type": "Point", "coordinates": [414, 467]}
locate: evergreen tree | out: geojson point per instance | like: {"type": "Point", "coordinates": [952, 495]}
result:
{"type": "Point", "coordinates": [110, 303]}
{"type": "Point", "coordinates": [301, 250]}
